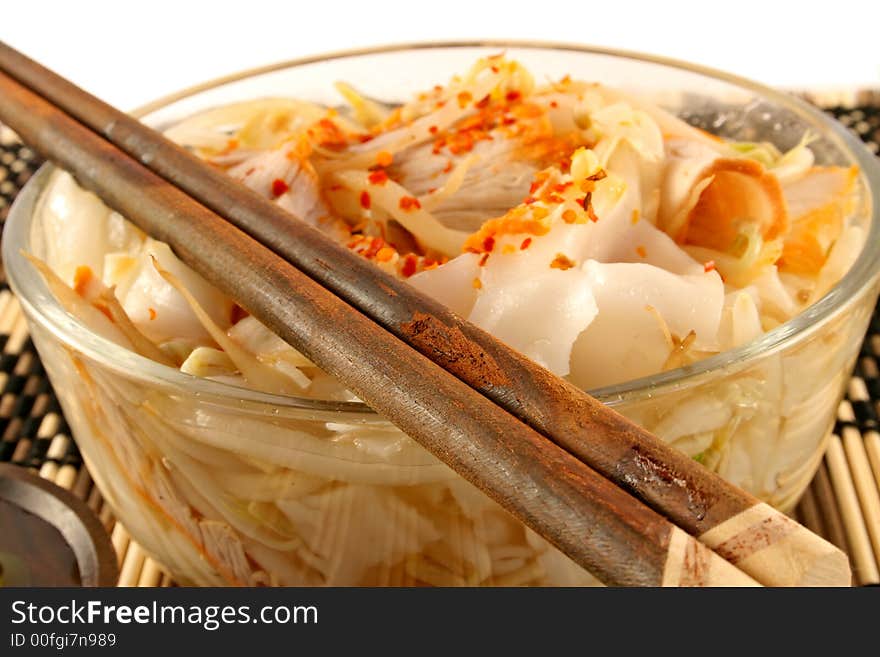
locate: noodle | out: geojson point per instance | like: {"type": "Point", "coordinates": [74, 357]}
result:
{"type": "Point", "coordinates": [597, 234]}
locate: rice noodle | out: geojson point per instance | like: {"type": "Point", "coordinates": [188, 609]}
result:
{"type": "Point", "coordinates": [580, 224]}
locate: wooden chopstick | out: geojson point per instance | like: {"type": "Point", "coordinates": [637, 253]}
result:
{"type": "Point", "coordinates": [705, 505]}
{"type": "Point", "coordinates": [597, 524]}
{"type": "Point", "coordinates": [868, 494]}
{"type": "Point", "coordinates": [856, 532]}
{"type": "Point", "coordinates": [829, 508]}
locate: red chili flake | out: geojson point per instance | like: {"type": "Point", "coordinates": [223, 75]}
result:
{"type": "Point", "coordinates": [483, 102]}
{"type": "Point", "coordinates": [408, 203]}
{"type": "Point", "coordinates": [508, 120]}
{"type": "Point", "coordinates": [365, 200]}
{"type": "Point", "coordinates": [376, 245]}
{"type": "Point", "coordinates": [431, 190]}
{"type": "Point", "coordinates": [709, 266]}
{"type": "Point", "coordinates": [526, 243]}
{"type": "Point", "coordinates": [433, 129]}
{"type": "Point", "coordinates": [365, 138]}
{"type": "Point", "coordinates": [332, 134]}
{"type": "Point", "coordinates": [554, 104]}
{"type": "Point", "coordinates": [464, 98]}
{"type": "Point", "coordinates": [448, 167]}
{"type": "Point", "coordinates": [562, 261]}
{"type": "Point", "coordinates": [279, 187]}
{"type": "Point", "coordinates": [409, 265]}
{"type": "Point", "coordinates": [554, 198]}
{"type": "Point", "coordinates": [378, 177]}
{"type": "Point", "coordinates": [483, 259]}
{"type": "Point", "coordinates": [528, 200]}
{"type": "Point", "coordinates": [561, 187]}
{"type": "Point", "coordinates": [495, 69]}
{"type": "Point", "coordinates": [535, 186]}
{"type": "Point", "coordinates": [512, 96]}
{"type": "Point", "coordinates": [152, 312]}
{"type": "Point", "coordinates": [488, 244]}
{"type": "Point", "coordinates": [599, 175]}
{"type": "Point", "coordinates": [641, 251]}
{"type": "Point", "coordinates": [384, 158]}
{"type": "Point", "coordinates": [335, 188]}
{"type": "Point", "coordinates": [461, 142]}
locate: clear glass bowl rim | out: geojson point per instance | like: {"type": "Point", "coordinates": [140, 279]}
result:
{"type": "Point", "coordinates": [38, 302]}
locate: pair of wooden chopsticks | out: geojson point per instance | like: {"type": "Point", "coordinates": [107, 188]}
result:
{"type": "Point", "coordinates": [581, 475]}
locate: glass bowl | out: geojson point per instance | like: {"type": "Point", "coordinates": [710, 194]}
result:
{"type": "Point", "coordinates": [226, 486]}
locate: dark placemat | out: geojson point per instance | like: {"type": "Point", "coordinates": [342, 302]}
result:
{"type": "Point", "coordinates": [842, 503]}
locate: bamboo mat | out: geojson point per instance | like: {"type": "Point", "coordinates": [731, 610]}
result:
{"type": "Point", "coordinates": [841, 504]}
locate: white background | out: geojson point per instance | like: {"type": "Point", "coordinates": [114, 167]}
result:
{"type": "Point", "coordinates": [131, 52]}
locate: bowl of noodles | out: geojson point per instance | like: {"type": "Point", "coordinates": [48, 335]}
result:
{"type": "Point", "coordinates": [695, 250]}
